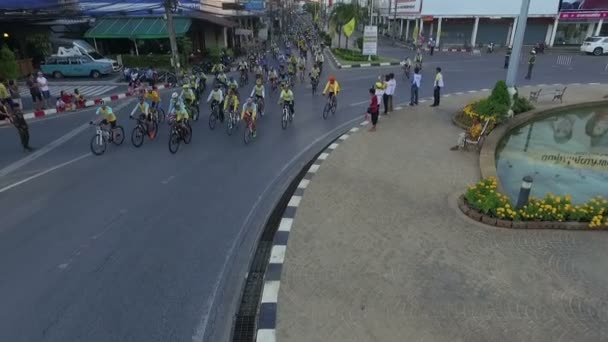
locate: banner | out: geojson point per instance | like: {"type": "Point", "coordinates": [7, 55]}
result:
{"type": "Point", "coordinates": [349, 28]}
{"type": "Point", "coordinates": [583, 5]}
{"type": "Point", "coordinates": [408, 7]}
{"type": "Point", "coordinates": [370, 41]}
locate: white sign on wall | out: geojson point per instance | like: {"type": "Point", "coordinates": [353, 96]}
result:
{"type": "Point", "coordinates": [405, 7]}
{"type": "Point", "coordinates": [466, 8]}
{"type": "Point", "coordinates": [370, 41]}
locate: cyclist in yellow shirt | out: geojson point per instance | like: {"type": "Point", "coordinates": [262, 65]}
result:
{"type": "Point", "coordinates": [286, 97]}
{"type": "Point", "coordinates": [108, 115]}
{"type": "Point", "coordinates": [260, 94]}
{"type": "Point", "coordinates": [332, 87]}
{"type": "Point", "coordinates": [250, 109]}
{"type": "Point", "coordinates": [153, 97]}
{"type": "Point", "coordinates": [231, 103]}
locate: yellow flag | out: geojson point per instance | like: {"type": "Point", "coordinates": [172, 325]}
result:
{"type": "Point", "coordinates": [415, 33]}
{"type": "Point", "coordinates": [349, 28]}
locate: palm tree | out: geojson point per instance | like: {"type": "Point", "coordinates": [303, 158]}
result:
{"type": "Point", "coordinates": [342, 13]}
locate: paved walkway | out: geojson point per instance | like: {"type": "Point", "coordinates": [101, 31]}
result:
{"type": "Point", "coordinates": [377, 251]}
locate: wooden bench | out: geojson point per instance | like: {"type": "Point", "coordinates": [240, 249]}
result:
{"type": "Point", "coordinates": [558, 94]}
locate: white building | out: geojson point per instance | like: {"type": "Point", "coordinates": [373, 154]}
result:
{"type": "Point", "coordinates": [477, 22]}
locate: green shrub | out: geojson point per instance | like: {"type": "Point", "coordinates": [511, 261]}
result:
{"type": "Point", "coordinates": [500, 94]}
{"type": "Point", "coordinates": [487, 108]}
{"type": "Point", "coordinates": [326, 39]}
{"type": "Point", "coordinates": [9, 69]}
{"type": "Point", "coordinates": [157, 61]}
{"type": "Point", "coordinates": [521, 105]}
{"type": "Point", "coordinates": [352, 55]}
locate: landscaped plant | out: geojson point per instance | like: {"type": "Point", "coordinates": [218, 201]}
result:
{"type": "Point", "coordinates": [9, 69]}
{"type": "Point", "coordinates": [352, 55]}
{"type": "Point", "coordinates": [485, 198]}
{"type": "Point", "coordinates": [521, 105]}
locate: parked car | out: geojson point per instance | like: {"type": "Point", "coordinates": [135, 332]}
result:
{"type": "Point", "coordinates": [595, 45]}
{"type": "Point", "coordinates": [60, 66]}
{"type": "Point", "coordinates": [67, 47]}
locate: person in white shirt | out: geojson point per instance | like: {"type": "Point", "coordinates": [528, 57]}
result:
{"type": "Point", "coordinates": [438, 84]}
{"type": "Point", "coordinates": [390, 90]}
{"type": "Point", "coordinates": [415, 87]}
{"type": "Point", "coordinates": [43, 84]}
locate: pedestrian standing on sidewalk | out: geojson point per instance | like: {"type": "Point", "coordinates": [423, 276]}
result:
{"type": "Point", "coordinates": [415, 87]}
{"type": "Point", "coordinates": [507, 58]}
{"type": "Point", "coordinates": [373, 109]}
{"type": "Point", "coordinates": [19, 122]}
{"type": "Point", "coordinates": [432, 45]}
{"type": "Point", "coordinates": [35, 92]}
{"type": "Point", "coordinates": [13, 88]}
{"type": "Point", "coordinates": [438, 84]}
{"type": "Point", "coordinates": [379, 90]}
{"type": "Point", "coordinates": [43, 84]}
{"type": "Point", "coordinates": [531, 63]}
{"type": "Point", "coordinates": [386, 93]}
{"type": "Point", "coordinates": [392, 85]}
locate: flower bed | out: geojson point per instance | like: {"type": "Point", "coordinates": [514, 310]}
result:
{"type": "Point", "coordinates": [483, 202]}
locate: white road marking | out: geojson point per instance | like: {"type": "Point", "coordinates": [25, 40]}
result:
{"type": "Point", "coordinates": [42, 173]}
{"type": "Point", "coordinates": [303, 184]}
{"type": "Point", "coordinates": [354, 129]}
{"type": "Point", "coordinates": [294, 201]}
{"type": "Point", "coordinates": [323, 156]}
{"type": "Point", "coordinates": [285, 224]}
{"type": "Point", "coordinates": [266, 335]}
{"type": "Point", "coordinates": [344, 136]}
{"type": "Point", "coordinates": [277, 254]}
{"type": "Point", "coordinates": [271, 292]}
{"type": "Point", "coordinates": [358, 103]}
{"type": "Point", "coordinates": [398, 108]}
{"type": "Point", "coordinates": [166, 181]}
{"type": "Point", "coordinates": [472, 91]}
{"type": "Point", "coordinates": [364, 123]}
{"type": "Point", "coordinates": [333, 146]}
{"type": "Point", "coordinates": [313, 168]}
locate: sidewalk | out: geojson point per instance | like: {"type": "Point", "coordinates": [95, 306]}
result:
{"type": "Point", "coordinates": [378, 252]}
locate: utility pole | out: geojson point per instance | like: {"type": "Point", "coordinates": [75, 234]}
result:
{"type": "Point", "coordinates": [518, 43]}
{"type": "Point", "coordinates": [170, 7]}
{"type": "Point", "coordinates": [395, 23]}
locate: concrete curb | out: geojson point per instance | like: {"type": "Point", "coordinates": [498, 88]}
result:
{"type": "Point", "coordinates": [359, 65]}
{"type": "Point", "coordinates": [89, 103]}
{"type": "Point", "coordinates": [267, 318]}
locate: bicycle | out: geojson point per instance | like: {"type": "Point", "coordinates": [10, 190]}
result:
{"type": "Point", "coordinates": [330, 106]}
{"type": "Point", "coordinates": [214, 115]}
{"type": "Point", "coordinates": [102, 137]}
{"type": "Point", "coordinates": [158, 114]}
{"type": "Point", "coordinates": [248, 133]}
{"type": "Point", "coordinates": [302, 75]}
{"type": "Point", "coordinates": [244, 78]}
{"type": "Point", "coordinates": [406, 71]}
{"type": "Point", "coordinates": [179, 133]}
{"type": "Point", "coordinates": [193, 110]}
{"type": "Point", "coordinates": [232, 122]}
{"type": "Point", "coordinates": [259, 103]}
{"type": "Point", "coordinates": [273, 85]}
{"type": "Point", "coordinates": [287, 116]}
{"type": "Point", "coordinates": [143, 128]}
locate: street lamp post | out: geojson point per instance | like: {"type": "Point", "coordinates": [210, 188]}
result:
{"type": "Point", "coordinates": [518, 43]}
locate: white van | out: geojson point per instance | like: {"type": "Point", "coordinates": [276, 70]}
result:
{"type": "Point", "coordinates": [595, 45]}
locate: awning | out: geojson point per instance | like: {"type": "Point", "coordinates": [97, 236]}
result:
{"type": "Point", "coordinates": [137, 28]}
{"type": "Point", "coordinates": [214, 19]}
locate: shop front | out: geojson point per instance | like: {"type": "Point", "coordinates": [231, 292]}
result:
{"type": "Point", "coordinates": [578, 20]}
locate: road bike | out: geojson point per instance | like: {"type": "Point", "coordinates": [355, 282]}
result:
{"type": "Point", "coordinates": [259, 104]}
{"type": "Point", "coordinates": [143, 127]}
{"type": "Point", "coordinates": [406, 71]}
{"type": "Point", "coordinates": [179, 132]}
{"type": "Point", "coordinates": [287, 116]}
{"type": "Point", "coordinates": [248, 133]}
{"type": "Point", "coordinates": [273, 85]}
{"type": "Point", "coordinates": [330, 106]}
{"type": "Point", "coordinates": [232, 122]}
{"type": "Point", "coordinates": [302, 71]}
{"type": "Point", "coordinates": [214, 115]}
{"type": "Point", "coordinates": [103, 136]}
{"type": "Point", "coordinates": [158, 114]}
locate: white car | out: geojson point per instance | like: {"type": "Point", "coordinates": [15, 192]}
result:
{"type": "Point", "coordinates": [595, 45]}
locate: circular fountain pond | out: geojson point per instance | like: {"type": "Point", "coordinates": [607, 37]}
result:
{"type": "Point", "coordinates": [565, 152]}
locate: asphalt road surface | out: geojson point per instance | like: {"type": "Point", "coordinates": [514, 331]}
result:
{"type": "Point", "coordinates": [142, 245]}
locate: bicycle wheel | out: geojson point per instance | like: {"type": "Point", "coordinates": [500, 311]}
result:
{"type": "Point", "coordinates": [195, 112]}
{"type": "Point", "coordinates": [187, 134]}
{"type": "Point", "coordinates": [247, 135]}
{"type": "Point", "coordinates": [153, 129]}
{"type": "Point", "coordinates": [326, 110]}
{"type": "Point", "coordinates": [160, 113]}
{"type": "Point", "coordinates": [118, 135]}
{"type": "Point", "coordinates": [137, 136]}
{"type": "Point", "coordinates": [98, 145]}
{"type": "Point", "coordinates": [284, 118]}
{"type": "Point", "coordinates": [334, 106]}
{"type": "Point", "coordinates": [174, 141]}
{"type": "Point", "coordinates": [230, 125]}
{"type": "Point", "coordinates": [212, 120]}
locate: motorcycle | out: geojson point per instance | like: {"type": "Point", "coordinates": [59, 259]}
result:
{"type": "Point", "coordinates": [490, 48]}
{"type": "Point", "coordinates": [540, 48]}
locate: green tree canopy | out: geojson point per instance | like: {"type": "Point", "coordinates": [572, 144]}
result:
{"type": "Point", "coordinates": [9, 69]}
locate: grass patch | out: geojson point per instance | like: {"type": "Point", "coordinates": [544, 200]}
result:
{"type": "Point", "coordinates": [345, 56]}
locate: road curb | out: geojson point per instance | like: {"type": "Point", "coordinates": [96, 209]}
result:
{"type": "Point", "coordinates": [89, 103]}
{"type": "Point", "coordinates": [267, 318]}
{"type": "Point", "coordinates": [359, 65]}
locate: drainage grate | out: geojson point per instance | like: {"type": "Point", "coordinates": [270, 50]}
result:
{"type": "Point", "coordinates": [246, 318]}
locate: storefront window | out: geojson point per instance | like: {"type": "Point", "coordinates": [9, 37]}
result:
{"type": "Point", "coordinates": [571, 33]}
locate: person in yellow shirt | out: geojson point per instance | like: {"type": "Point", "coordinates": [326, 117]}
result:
{"type": "Point", "coordinates": [231, 103]}
{"type": "Point", "coordinates": [332, 87]}
{"type": "Point", "coordinates": [286, 97]}
{"type": "Point", "coordinates": [250, 109]}
{"type": "Point", "coordinates": [153, 97]}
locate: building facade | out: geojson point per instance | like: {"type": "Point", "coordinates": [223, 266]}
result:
{"type": "Point", "coordinates": [470, 23]}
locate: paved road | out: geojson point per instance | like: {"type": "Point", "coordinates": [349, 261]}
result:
{"type": "Point", "coordinates": [141, 245]}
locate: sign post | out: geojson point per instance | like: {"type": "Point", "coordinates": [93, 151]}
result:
{"type": "Point", "coordinates": [370, 41]}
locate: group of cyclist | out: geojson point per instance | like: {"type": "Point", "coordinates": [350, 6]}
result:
{"type": "Point", "coordinates": [224, 94]}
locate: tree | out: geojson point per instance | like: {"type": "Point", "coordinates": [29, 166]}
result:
{"type": "Point", "coordinates": [9, 69]}
{"type": "Point", "coordinates": [342, 13]}
{"type": "Point", "coordinates": [38, 46]}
